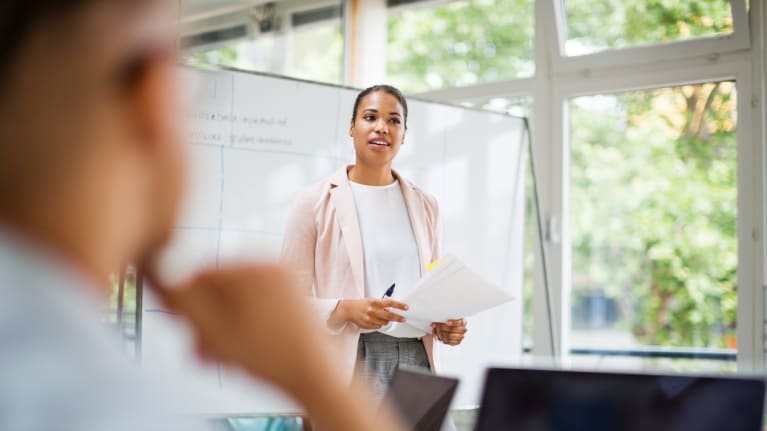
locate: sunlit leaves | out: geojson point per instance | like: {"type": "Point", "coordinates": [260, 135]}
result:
{"type": "Point", "coordinates": [654, 210]}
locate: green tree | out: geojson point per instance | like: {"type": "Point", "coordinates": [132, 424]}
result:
{"type": "Point", "coordinates": [460, 43]}
{"type": "Point", "coordinates": [653, 175]}
{"type": "Point", "coordinates": [599, 24]}
{"type": "Point", "coordinates": [654, 199]}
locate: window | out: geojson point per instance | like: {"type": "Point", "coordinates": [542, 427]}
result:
{"type": "Point", "coordinates": [121, 309]}
{"type": "Point", "coordinates": [654, 199]}
{"type": "Point", "coordinates": [460, 43]}
{"type": "Point", "coordinates": [305, 44]}
{"type": "Point", "coordinates": [597, 25]}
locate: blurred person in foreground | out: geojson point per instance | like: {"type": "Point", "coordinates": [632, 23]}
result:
{"type": "Point", "coordinates": [91, 173]}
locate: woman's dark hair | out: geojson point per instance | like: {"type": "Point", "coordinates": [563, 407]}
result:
{"type": "Point", "coordinates": [386, 89]}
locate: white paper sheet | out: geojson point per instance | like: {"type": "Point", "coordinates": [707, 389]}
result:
{"type": "Point", "coordinates": [450, 291]}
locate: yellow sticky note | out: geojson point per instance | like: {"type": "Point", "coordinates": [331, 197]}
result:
{"type": "Point", "coordinates": [430, 266]}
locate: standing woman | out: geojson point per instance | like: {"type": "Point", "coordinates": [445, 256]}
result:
{"type": "Point", "coordinates": [353, 235]}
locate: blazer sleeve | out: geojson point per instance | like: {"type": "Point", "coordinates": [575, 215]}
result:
{"type": "Point", "coordinates": [298, 252]}
{"type": "Point", "coordinates": [432, 213]}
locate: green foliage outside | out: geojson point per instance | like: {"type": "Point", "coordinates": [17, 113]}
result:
{"type": "Point", "coordinates": [653, 177]}
{"type": "Point", "coordinates": [470, 42]}
{"type": "Point", "coordinates": [129, 296]}
{"type": "Point", "coordinates": [224, 56]}
{"type": "Point", "coordinates": [654, 203]}
{"type": "Point", "coordinates": [461, 43]}
{"type": "Point", "coordinates": [600, 24]}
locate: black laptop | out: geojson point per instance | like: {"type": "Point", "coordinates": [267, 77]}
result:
{"type": "Point", "coordinates": [422, 399]}
{"type": "Point", "coordinates": [558, 400]}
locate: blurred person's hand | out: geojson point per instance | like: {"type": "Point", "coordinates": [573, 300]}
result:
{"type": "Point", "coordinates": [246, 312]}
{"type": "Point", "coordinates": [253, 317]}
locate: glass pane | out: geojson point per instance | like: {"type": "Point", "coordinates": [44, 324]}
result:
{"type": "Point", "coordinates": [597, 25]}
{"type": "Point", "coordinates": [654, 199]}
{"type": "Point", "coordinates": [460, 43]}
{"type": "Point", "coordinates": [312, 51]}
{"type": "Point", "coordinates": [519, 106]}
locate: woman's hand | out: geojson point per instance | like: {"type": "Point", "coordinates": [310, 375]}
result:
{"type": "Point", "coordinates": [450, 333]}
{"type": "Point", "coordinates": [367, 313]}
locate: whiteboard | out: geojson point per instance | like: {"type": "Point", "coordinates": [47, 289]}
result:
{"type": "Point", "coordinates": [254, 141]}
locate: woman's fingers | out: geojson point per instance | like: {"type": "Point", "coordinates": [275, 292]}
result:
{"type": "Point", "coordinates": [452, 339]}
{"type": "Point", "coordinates": [457, 322]}
{"type": "Point", "coordinates": [381, 310]}
{"type": "Point", "coordinates": [388, 316]}
{"type": "Point", "coordinates": [370, 321]}
{"type": "Point", "coordinates": [390, 303]}
{"type": "Point", "coordinates": [375, 313]}
{"type": "Point", "coordinates": [452, 332]}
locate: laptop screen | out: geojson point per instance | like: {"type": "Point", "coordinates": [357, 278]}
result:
{"type": "Point", "coordinates": [554, 400]}
{"type": "Point", "coordinates": [422, 399]}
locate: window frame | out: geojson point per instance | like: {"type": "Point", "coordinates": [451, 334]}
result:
{"type": "Point", "coordinates": [750, 316]}
{"type": "Point", "coordinates": [558, 78]}
{"type": "Point", "coordinates": [712, 46]}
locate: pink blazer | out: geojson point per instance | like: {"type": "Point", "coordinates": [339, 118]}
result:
{"type": "Point", "coordinates": [323, 246]}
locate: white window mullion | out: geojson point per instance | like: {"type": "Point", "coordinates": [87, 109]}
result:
{"type": "Point", "coordinates": [757, 141]}
{"type": "Point", "coordinates": [550, 307]}
{"type": "Point", "coordinates": [509, 89]}
{"type": "Point", "coordinates": [750, 329]}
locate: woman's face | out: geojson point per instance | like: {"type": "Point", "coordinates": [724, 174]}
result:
{"type": "Point", "coordinates": [378, 129]}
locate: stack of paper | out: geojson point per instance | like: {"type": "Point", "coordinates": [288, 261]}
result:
{"type": "Point", "coordinates": [450, 291]}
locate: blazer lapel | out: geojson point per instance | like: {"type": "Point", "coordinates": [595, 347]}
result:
{"type": "Point", "coordinates": [346, 213]}
{"type": "Point", "coordinates": [415, 211]}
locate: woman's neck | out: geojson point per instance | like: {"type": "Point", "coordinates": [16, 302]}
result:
{"type": "Point", "coordinates": [368, 176]}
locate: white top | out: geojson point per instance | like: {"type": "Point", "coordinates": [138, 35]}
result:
{"type": "Point", "coordinates": [59, 366]}
{"type": "Point", "coordinates": [388, 242]}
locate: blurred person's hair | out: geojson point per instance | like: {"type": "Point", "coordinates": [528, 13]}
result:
{"type": "Point", "coordinates": [20, 18]}
{"type": "Point", "coordinates": [58, 22]}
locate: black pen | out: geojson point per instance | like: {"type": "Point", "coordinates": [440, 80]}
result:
{"type": "Point", "coordinates": [389, 292]}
